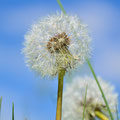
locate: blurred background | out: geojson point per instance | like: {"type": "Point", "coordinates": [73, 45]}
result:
{"type": "Point", "coordinates": [35, 98]}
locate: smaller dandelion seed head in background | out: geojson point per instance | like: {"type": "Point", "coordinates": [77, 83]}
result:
{"type": "Point", "coordinates": [73, 99]}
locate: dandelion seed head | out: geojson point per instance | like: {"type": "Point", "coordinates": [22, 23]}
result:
{"type": "Point", "coordinates": [73, 99]}
{"type": "Point", "coordinates": [56, 41]}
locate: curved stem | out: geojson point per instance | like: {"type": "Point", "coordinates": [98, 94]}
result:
{"type": "Point", "coordinates": [61, 6]}
{"type": "Point", "coordinates": [101, 115]}
{"type": "Point", "coordinates": [61, 75]}
{"type": "Point", "coordinates": [100, 88]}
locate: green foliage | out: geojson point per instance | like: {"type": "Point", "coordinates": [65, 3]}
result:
{"type": "Point", "coordinates": [117, 113]}
{"type": "Point", "coordinates": [0, 103]}
{"type": "Point", "coordinates": [13, 111]}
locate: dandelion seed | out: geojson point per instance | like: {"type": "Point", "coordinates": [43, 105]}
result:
{"type": "Point", "coordinates": [73, 102]}
{"type": "Point", "coordinates": [55, 42]}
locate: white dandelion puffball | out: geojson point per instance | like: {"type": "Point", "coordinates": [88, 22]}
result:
{"type": "Point", "coordinates": [74, 96]}
{"type": "Point", "coordinates": [56, 41]}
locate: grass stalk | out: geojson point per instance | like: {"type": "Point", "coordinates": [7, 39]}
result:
{"type": "Point", "coordinates": [13, 111]}
{"type": "Point", "coordinates": [100, 88]}
{"type": "Point", "coordinates": [0, 103]}
{"type": "Point", "coordinates": [61, 6]}
{"type": "Point", "coordinates": [0, 106]}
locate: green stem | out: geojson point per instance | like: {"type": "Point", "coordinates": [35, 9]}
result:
{"type": "Point", "coordinates": [13, 111]}
{"type": "Point", "coordinates": [85, 102]}
{"type": "Point", "coordinates": [61, 75]}
{"type": "Point", "coordinates": [99, 86]}
{"type": "Point", "coordinates": [0, 105]}
{"type": "Point", "coordinates": [61, 6]}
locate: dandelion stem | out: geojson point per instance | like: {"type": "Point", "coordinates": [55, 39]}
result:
{"type": "Point", "coordinates": [61, 75]}
{"type": "Point", "coordinates": [12, 111]}
{"type": "Point", "coordinates": [100, 88]}
{"type": "Point", "coordinates": [61, 6]}
{"type": "Point", "coordinates": [101, 115]}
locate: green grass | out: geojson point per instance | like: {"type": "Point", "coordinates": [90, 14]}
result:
{"type": "Point", "coordinates": [0, 103]}
{"type": "Point", "coordinates": [13, 111]}
{"type": "Point", "coordinates": [61, 6]}
{"type": "Point", "coordinates": [100, 88]}
{"type": "Point", "coordinates": [0, 106]}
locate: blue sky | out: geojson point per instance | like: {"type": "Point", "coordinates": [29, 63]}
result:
{"type": "Point", "coordinates": [36, 98]}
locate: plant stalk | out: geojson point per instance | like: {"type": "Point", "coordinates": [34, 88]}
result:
{"type": "Point", "coordinates": [61, 6]}
{"type": "Point", "coordinates": [61, 75]}
{"type": "Point", "coordinates": [100, 88]}
{"type": "Point", "coordinates": [12, 111]}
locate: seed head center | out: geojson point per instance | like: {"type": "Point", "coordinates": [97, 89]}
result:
{"type": "Point", "coordinates": [90, 105]}
{"type": "Point", "coordinates": [58, 42]}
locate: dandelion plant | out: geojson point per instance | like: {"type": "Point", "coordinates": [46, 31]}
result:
{"type": "Point", "coordinates": [74, 104]}
{"type": "Point", "coordinates": [54, 45]}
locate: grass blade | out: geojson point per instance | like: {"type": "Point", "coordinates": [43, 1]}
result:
{"type": "Point", "coordinates": [13, 111]}
{"type": "Point", "coordinates": [99, 86]}
{"type": "Point", "coordinates": [84, 102]}
{"type": "Point", "coordinates": [0, 106]}
{"type": "Point", "coordinates": [61, 6]}
{"type": "Point", "coordinates": [0, 103]}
